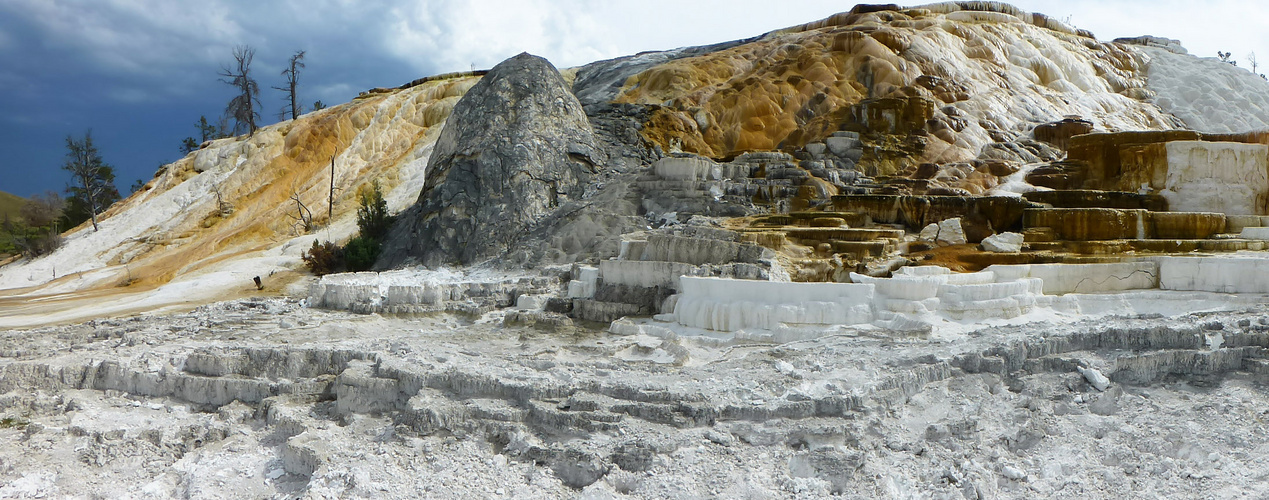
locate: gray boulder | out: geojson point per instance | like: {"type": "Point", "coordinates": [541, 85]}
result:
{"type": "Point", "coordinates": [516, 147]}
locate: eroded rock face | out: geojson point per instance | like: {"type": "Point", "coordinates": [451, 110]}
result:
{"type": "Point", "coordinates": [1225, 177]}
{"type": "Point", "coordinates": [1193, 172]}
{"type": "Point", "coordinates": [1059, 132]}
{"type": "Point", "coordinates": [516, 147]}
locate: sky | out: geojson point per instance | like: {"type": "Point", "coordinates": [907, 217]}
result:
{"type": "Point", "coordinates": [140, 73]}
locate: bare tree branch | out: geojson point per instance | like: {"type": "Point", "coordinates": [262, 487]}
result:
{"type": "Point", "coordinates": [304, 217]}
{"type": "Point", "coordinates": [242, 108]}
{"type": "Point", "coordinates": [292, 74]}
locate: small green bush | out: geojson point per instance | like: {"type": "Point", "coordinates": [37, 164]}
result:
{"type": "Point", "coordinates": [323, 258]}
{"type": "Point", "coordinates": [373, 220]}
{"type": "Point", "coordinates": [360, 253]}
{"type": "Point", "coordinates": [32, 242]}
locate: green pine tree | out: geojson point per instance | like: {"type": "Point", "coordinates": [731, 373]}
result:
{"type": "Point", "coordinates": [93, 181]}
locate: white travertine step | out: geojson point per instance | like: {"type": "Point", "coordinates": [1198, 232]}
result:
{"type": "Point", "coordinates": [922, 270]}
{"type": "Point", "coordinates": [1208, 176]}
{"type": "Point", "coordinates": [692, 169]}
{"type": "Point", "coordinates": [644, 273]}
{"type": "Point", "coordinates": [1083, 278]}
{"type": "Point", "coordinates": [965, 294]}
{"type": "Point", "coordinates": [921, 287]}
{"type": "Point", "coordinates": [1236, 223]}
{"type": "Point", "coordinates": [631, 249]}
{"type": "Point", "coordinates": [687, 169]}
{"type": "Point", "coordinates": [1254, 233]}
{"type": "Point", "coordinates": [1226, 274]}
{"type": "Point", "coordinates": [697, 251]}
{"type": "Point", "coordinates": [584, 286]}
{"type": "Point", "coordinates": [729, 305]}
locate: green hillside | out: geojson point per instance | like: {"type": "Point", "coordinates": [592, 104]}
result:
{"type": "Point", "coordinates": [10, 204]}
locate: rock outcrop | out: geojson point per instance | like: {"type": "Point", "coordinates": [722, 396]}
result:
{"type": "Point", "coordinates": [516, 148]}
{"type": "Point", "coordinates": [1194, 172]}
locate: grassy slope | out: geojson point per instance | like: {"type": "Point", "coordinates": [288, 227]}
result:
{"type": "Point", "coordinates": [10, 204]}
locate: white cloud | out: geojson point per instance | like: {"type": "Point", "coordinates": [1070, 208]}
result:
{"type": "Point", "coordinates": [451, 35]}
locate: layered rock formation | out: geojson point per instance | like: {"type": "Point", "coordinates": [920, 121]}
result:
{"type": "Point", "coordinates": [516, 147]}
{"type": "Point", "coordinates": [1190, 171]}
{"type": "Point", "coordinates": [927, 84]}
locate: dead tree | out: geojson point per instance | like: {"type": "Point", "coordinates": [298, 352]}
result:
{"type": "Point", "coordinates": [330, 208]}
{"type": "Point", "coordinates": [303, 216]}
{"type": "Point", "coordinates": [242, 108]}
{"type": "Point", "coordinates": [292, 74]}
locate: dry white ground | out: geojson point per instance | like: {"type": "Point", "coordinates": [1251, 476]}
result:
{"type": "Point", "coordinates": [261, 398]}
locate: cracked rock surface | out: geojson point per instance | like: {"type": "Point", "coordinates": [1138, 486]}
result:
{"type": "Point", "coordinates": [261, 398]}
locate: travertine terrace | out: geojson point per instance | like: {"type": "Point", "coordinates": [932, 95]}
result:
{"type": "Point", "coordinates": [954, 250]}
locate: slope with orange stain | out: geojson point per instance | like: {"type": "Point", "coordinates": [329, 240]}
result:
{"type": "Point", "coordinates": [963, 78]}
{"type": "Point", "coordinates": [208, 223]}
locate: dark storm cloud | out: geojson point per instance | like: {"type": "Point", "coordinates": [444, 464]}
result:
{"type": "Point", "coordinates": [140, 73]}
{"type": "Point", "coordinates": [167, 49]}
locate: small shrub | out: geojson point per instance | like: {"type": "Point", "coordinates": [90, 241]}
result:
{"type": "Point", "coordinates": [373, 220]}
{"type": "Point", "coordinates": [323, 258]}
{"type": "Point", "coordinates": [360, 253]}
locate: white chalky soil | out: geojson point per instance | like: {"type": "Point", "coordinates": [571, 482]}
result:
{"type": "Point", "coordinates": [336, 405]}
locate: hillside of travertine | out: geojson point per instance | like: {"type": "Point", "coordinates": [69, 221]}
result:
{"type": "Point", "coordinates": [955, 250]}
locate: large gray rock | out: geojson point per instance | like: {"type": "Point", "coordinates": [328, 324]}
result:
{"type": "Point", "coordinates": [516, 147]}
